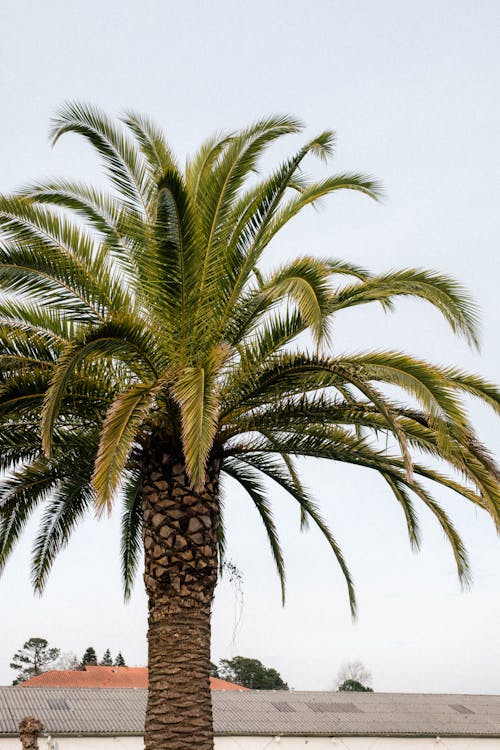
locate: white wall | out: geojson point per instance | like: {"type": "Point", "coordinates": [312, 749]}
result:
{"type": "Point", "coordinates": [270, 743]}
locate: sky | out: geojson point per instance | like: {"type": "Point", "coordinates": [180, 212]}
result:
{"type": "Point", "coordinates": [411, 90]}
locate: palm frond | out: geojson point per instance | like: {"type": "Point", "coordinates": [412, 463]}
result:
{"type": "Point", "coordinates": [152, 143]}
{"type": "Point", "coordinates": [131, 524]}
{"type": "Point", "coordinates": [117, 338]}
{"type": "Point", "coordinates": [218, 192]}
{"type": "Point", "coordinates": [20, 494]}
{"type": "Point", "coordinates": [447, 295]}
{"type": "Point", "coordinates": [304, 281]}
{"type": "Point", "coordinates": [402, 496]}
{"type": "Point", "coordinates": [47, 324]}
{"type": "Point", "coordinates": [314, 192]}
{"type": "Point", "coordinates": [249, 480]}
{"type": "Point", "coordinates": [64, 511]}
{"type": "Point", "coordinates": [198, 401]}
{"type": "Point", "coordinates": [170, 272]}
{"type": "Point", "coordinates": [474, 385]}
{"type": "Point", "coordinates": [456, 543]}
{"type": "Point", "coordinates": [119, 433]}
{"type": "Point", "coordinates": [126, 170]}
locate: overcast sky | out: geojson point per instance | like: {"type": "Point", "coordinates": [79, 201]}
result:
{"type": "Point", "coordinates": [412, 90]}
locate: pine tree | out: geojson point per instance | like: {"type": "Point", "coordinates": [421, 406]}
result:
{"type": "Point", "coordinates": [106, 660]}
{"type": "Point", "coordinates": [33, 659]}
{"type": "Point", "coordinates": [89, 657]}
{"type": "Point", "coordinates": [119, 661]}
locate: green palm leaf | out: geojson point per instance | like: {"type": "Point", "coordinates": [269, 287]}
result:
{"type": "Point", "coordinates": [131, 524]}
{"type": "Point", "coordinates": [118, 435]}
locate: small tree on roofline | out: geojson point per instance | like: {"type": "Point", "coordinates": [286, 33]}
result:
{"type": "Point", "coordinates": [89, 658]}
{"type": "Point", "coordinates": [119, 660]}
{"type": "Point", "coordinates": [106, 660]}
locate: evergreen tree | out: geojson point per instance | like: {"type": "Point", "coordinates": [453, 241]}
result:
{"type": "Point", "coordinates": [33, 658]}
{"type": "Point", "coordinates": [89, 658]}
{"type": "Point", "coordinates": [106, 660]}
{"type": "Point", "coordinates": [119, 660]}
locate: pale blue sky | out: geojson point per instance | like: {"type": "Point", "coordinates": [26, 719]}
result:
{"type": "Point", "coordinates": [412, 91]}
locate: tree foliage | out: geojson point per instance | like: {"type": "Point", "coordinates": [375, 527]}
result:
{"type": "Point", "coordinates": [89, 657]}
{"type": "Point", "coordinates": [150, 311]}
{"type": "Point", "coordinates": [33, 658]}
{"type": "Point", "coordinates": [106, 660]}
{"type": "Point", "coordinates": [119, 660]}
{"type": "Point", "coordinates": [250, 673]}
{"type": "Point", "coordinates": [353, 686]}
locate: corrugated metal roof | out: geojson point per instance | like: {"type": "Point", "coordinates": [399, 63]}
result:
{"type": "Point", "coordinates": [111, 711]}
{"type": "Point", "coordinates": [357, 714]}
{"type": "Point", "coordinates": [88, 711]}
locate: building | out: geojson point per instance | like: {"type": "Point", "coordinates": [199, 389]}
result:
{"type": "Point", "coordinates": [107, 677]}
{"type": "Point", "coordinates": [113, 718]}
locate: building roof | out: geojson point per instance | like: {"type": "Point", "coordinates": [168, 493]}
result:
{"type": "Point", "coordinates": [117, 711]}
{"type": "Point", "coordinates": [107, 677]}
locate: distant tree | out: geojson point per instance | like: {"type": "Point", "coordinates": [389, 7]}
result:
{"type": "Point", "coordinates": [89, 658]}
{"type": "Point", "coordinates": [354, 676]}
{"type": "Point", "coordinates": [119, 660]}
{"type": "Point", "coordinates": [106, 660]}
{"type": "Point", "coordinates": [66, 660]}
{"type": "Point", "coordinates": [33, 658]}
{"type": "Point", "coordinates": [354, 686]}
{"type": "Point", "coordinates": [214, 670]}
{"type": "Point", "coordinates": [250, 673]}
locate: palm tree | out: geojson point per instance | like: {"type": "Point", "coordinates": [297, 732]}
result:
{"type": "Point", "coordinates": [147, 350]}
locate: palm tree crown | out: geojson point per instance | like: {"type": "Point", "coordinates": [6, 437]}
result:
{"type": "Point", "coordinates": [146, 315]}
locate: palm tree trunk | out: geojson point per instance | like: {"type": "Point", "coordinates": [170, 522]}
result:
{"type": "Point", "coordinates": [180, 542]}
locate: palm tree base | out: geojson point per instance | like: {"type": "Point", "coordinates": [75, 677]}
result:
{"type": "Point", "coordinates": [179, 713]}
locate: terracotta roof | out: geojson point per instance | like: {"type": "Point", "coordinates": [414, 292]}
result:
{"type": "Point", "coordinates": [218, 684]}
{"type": "Point", "coordinates": [132, 677]}
{"type": "Point", "coordinates": [112, 711]}
{"type": "Point", "coordinates": [107, 677]}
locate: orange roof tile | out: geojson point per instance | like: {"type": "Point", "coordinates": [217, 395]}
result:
{"type": "Point", "coordinates": [217, 684]}
{"type": "Point", "coordinates": [104, 677]}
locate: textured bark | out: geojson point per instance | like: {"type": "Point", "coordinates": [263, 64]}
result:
{"type": "Point", "coordinates": [180, 543]}
{"type": "Point", "coordinates": [29, 729]}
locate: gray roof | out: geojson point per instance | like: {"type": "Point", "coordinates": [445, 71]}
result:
{"type": "Point", "coordinates": [120, 711]}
